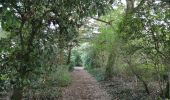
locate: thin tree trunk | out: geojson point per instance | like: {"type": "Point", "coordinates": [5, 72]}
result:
{"type": "Point", "coordinates": [167, 88]}
{"type": "Point", "coordinates": [159, 77]}
{"type": "Point", "coordinates": [130, 5]}
{"type": "Point", "coordinates": [61, 55]}
{"type": "Point", "coordinates": [143, 82]}
{"type": "Point", "coordinates": [139, 77]}
{"type": "Point", "coordinates": [69, 55]}
{"type": "Point", "coordinates": [17, 94]}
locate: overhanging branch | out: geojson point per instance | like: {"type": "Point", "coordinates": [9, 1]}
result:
{"type": "Point", "coordinates": [103, 21]}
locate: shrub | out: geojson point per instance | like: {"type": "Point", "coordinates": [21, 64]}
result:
{"type": "Point", "coordinates": [62, 76]}
{"type": "Point", "coordinates": [71, 66]}
{"type": "Point", "coordinates": [48, 86]}
{"type": "Point", "coordinates": [98, 73]}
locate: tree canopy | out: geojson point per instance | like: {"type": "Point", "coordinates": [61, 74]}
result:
{"type": "Point", "coordinates": [40, 40]}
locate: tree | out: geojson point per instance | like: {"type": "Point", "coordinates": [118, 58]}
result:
{"type": "Point", "coordinates": [36, 28]}
{"type": "Point", "coordinates": [147, 30]}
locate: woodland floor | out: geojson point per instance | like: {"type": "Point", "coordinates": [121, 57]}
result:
{"type": "Point", "coordinates": [84, 87]}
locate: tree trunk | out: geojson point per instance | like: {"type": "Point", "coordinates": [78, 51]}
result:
{"type": "Point", "coordinates": [143, 82]}
{"type": "Point", "coordinates": [139, 77]}
{"type": "Point", "coordinates": [61, 56]}
{"type": "Point", "coordinates": [17, 94]}
{"type": "Point", "coordinates": [69, 55]}
{"type": "Point", "coordinates": [129, 5]}
{"type": "Point", "coordinates": [145, 86]}
{"type": "Point", "coordinates": [167, 88]}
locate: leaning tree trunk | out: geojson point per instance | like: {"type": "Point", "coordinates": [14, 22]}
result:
{"type": "Point", "coordinates": [139, 77]}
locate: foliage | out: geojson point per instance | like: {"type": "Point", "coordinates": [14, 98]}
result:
{"type": "Point", "coordinates": [37, 39]}
{"type": "Point", "coordinates": [146, 33]}
{"type": "Point", "coordinates": [38, 34]}
{"type": "Point", "coordinates": [134, 43]}
{"type": "Point", "coordinates": [106, 44]}
{"type": "Point", "coordinates": [98, 73]}
{"type": "Point", "coordinates": [46, 87]}
{"type": "Point", "coordinates": [71, 66]}
{"type": "Point", "coordinates": [62, 76]}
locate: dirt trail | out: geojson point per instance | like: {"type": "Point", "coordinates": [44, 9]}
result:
{"type": "Point", "coordinates": [84, 87]}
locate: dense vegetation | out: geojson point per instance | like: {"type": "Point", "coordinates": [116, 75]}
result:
{"type": "Point", "coordinates": [41, 40]}
{"type": "Point", "coordinates": [132, 50]}
{"type": "Point", "coordinates": [37, 38]}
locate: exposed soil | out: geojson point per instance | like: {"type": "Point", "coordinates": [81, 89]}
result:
{"type": "Point", "coordinates": [84, 87]}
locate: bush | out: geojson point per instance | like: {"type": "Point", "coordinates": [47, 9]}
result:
{"type": "Point", "coordinates": [71, 66]}
{"type": "Point", "coordinates": [98, 73]}
{"type": "Point", "coordinates": [62, 76]}
{"type": "Point", "coordinates": [48, 86]}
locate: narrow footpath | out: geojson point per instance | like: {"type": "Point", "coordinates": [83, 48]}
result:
{"type": "Point", "coordinates": [84, 87]}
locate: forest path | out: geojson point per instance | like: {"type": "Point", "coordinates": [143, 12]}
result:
{"type": "Point", "coordinates": [84, 87]}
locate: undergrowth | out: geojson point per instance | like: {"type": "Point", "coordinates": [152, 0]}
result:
{"type": "Point", "coordinates": [48, 87]}
{"type": "Point", "coordinates": [98, 73]}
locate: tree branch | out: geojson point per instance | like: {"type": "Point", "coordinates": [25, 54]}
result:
{"type": "Point", "coordinates": [139, 5]}
{"type": "Point", "coordinates": [103, 21]}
